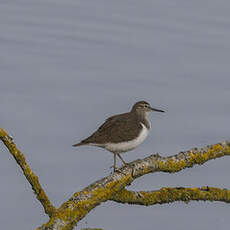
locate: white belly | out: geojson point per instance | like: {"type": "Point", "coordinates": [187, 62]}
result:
{"type": "Point", "coordinates": [128, 145]}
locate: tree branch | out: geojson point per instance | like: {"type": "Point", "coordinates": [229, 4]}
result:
{"type": "Point", "coordinates": [81, 203]}
{"type": "Point", "coordinates": [30, 176]}
{"type": "Point", "coordinates": [169, 195]}
{"type": "Point", "coordinates": [180, 161]}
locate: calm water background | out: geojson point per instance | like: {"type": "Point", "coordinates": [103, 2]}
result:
{"type": "Point", "coordinates": [67, 65]}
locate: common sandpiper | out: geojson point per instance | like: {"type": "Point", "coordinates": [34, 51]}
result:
{"type": "Point", "coordinates": [123, 132]}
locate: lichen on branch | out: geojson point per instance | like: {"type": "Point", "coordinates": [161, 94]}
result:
{"type": "Point", "coordinates": [29, 174]}
{"type": "Point", "coordinates": [180, 161]}
{"type": "Point", "coordinates": [169, 195]}
{"type": "Point", "coordinates": [105, 189]}
{"type": "Point", "coordinates": [113, 186]}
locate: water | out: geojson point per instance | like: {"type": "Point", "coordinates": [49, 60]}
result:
{"type": "Point", "coordinates": [66, 66]}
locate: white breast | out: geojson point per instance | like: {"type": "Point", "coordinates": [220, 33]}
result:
{"type": "Point", "coordinates": [128, 145]}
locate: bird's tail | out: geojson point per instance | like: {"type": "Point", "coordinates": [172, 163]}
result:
{"type": "Point", "coordinates": [79, 144]}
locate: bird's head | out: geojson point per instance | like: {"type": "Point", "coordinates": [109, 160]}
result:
{"type": "Point", "coordinates": [143, 108]}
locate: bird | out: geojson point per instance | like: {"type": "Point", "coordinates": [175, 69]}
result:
{"type": "Point", "coordinates": [123, 132]}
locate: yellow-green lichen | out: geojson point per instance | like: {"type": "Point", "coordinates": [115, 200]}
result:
{"type": "Point", "coordinates": [212, 152]}
{"type": "Point", "coordinates": [2, 132]}
{"type": "Point", "coordinates": [168, 195]}
{"type": "Point", "coordinates": [31, 177]}
{"type": "Point", "coordinates": [82, 202]}
{"type": "Point", "coordinates": [71, 212]}
{"type": "Point", "coordinates": [172, 164]}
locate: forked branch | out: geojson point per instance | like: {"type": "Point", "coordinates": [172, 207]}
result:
{"type": "Point", "coordinates": [113, 186]}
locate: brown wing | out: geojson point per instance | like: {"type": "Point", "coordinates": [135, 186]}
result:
{"type": "Point", "coordinates": [116, 129]}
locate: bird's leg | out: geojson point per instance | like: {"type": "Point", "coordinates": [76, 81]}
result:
{"type": "Point", "coordinates": [121, 159]}
{"type": "Point", "coordinates": [114, 165]}
{"type": "Point", "coordinates": [114, 162]}
{"type": "Point", "coordinates": [115, 169]}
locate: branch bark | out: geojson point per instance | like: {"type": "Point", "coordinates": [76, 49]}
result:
{"type": "Point", "coordinates": [169, 195]}
{"type": "Point", "coordinates": [113, 186]}
{"type": "Point", "coordinates": [29, 174]}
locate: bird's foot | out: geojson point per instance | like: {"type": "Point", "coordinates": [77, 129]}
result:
{"type": "Point", "coordinates": [125, 163]}
{"type": "Point", "coordinates": [116, 169]}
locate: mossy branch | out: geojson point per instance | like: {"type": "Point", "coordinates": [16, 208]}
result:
{"type": "Point", "coordinates": [112, 187]}
{"type": "Point", "coordinates": [105, 189]}
{"type": "Point", "coordinates": [31, 177]}
{"type": "Point", "coordinates": [169, 195]}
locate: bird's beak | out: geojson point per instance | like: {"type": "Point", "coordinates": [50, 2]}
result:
{"type": "Point", "coordinates": [157, 110]}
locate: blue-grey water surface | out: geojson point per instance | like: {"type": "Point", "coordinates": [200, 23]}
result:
{"type": "Point", "coordinates": [67, 65]}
